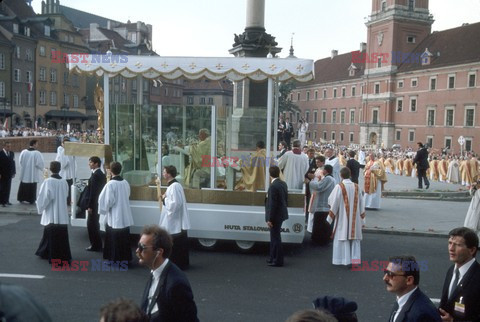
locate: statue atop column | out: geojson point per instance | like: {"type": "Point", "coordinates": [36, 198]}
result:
{"type": "Point", "coordinates": [98, 101]}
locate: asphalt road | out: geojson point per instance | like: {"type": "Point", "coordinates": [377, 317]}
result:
{"type": "Point", "coordinates": [228, 285]}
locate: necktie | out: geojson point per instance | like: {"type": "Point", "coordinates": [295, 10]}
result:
{"type": "Point", "coordinates": [394, 311]}
{"type": "Point", "coordinates": [455, 282]}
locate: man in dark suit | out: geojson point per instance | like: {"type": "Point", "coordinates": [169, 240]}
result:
{"type": "Point", "coordinates": [168, 296]}
{"type": "Point", "coordinates": [95, 185]}
{"type": "Point", "coordinates": [461, 290]}
{"type": "Point", "coordinates": [288, 132]}
{"type": "Point", "coordinates": [7, 172]}
{"type": "Point", "coordinates": [402, 277]}
{"type": "Point", "coordinates": [354, 166]}
{"type": "Point", "coordinates": [312, 167]}
{"type": "Point", "coordinates": [276, 213]}
{"type": "Point", "coordinates": [421, 160]}
{"type": "Point", "coordinates": [282, 147]}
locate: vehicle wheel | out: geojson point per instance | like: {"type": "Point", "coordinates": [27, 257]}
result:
{"type": "Point", "coordinates": [207, 243]}
{"type": "Point", "coordinates": [245, 245]}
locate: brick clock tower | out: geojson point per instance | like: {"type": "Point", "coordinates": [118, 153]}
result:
{"type": "Point", "coordinates": [395, 29]}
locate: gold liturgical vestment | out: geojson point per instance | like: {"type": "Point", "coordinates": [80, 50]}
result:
{"type": "Point", "coordinates": [253, 172]}
{"type": "Point", "coordinates": [374, 170]}
{"type": "Point", "coordinates": [200, 159]}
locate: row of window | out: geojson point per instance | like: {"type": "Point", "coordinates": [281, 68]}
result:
{"type": "Point", "coordinates": [202, 100]}
{"type": "Point", "coordinates": [17, 76]}
{"type": "Point", "coordinates": [449, 119]}
{"type": "Point", "coordinates": [323, 116]}
{"type": "Point", "coordinates": [333, 136]}
{"type": "Point", "coordinates": [17, 99]}
{"type": "Point", "coordinates": [447, 140]}
{"type": "Point", "coordinates": [53, 99]}
{"type": "Point", "coordinates": [433, 85]}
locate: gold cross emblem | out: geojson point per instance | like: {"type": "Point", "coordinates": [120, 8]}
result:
{"type": "Point", "coordinates": [273, 67]}
{"type": "Point", "coordinates": [138, 64]}
{"type": "Point", "coordinates": [164, 65]}
{"type": "Point", "coordinates": [246, 66]}
{"type": "Point", "coordinates": [219, 66]}
{"type": "Point", "coordinates": [300, 68]}
{"type": "Point", "coordinates": [193, 66]}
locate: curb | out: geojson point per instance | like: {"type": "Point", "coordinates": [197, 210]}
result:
{"type": "Point", "coordinates": [385, 231]}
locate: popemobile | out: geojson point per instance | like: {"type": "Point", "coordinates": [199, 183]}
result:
{"type": "Point", "coordinates": [144, 138]}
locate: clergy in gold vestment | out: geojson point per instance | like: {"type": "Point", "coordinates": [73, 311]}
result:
{"type": "Point", "coordinates": [473, 166]}
{"type": "Point", "coordinates": [342, 160]}
{"type": "Point", "coordinates": [389, 165]}
{"type": "Point", "coordinates": [442, 170]}
{"type": "Point", "coordinates": [253, 170]}
{"type": "Point", "coordinates": [408, 167]}
{"type": "Point", "coordinates": [434, 170]}
{"type": "Point", "coordinates": [375, 178]}
{"type": "Point", "coordinates": [465, 173]}
{"type": "Point", "coordinates": [198, 170]}
{"type": "Point", "coordinates": [399, 166]}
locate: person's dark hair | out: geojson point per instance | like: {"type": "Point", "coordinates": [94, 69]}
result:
{"type": "Point", "coordinates": [161, 239]}
{"type": "Point", "coordinates": [55, 167]}
{"type": "Point", "coordinates": [171, 170]}
{"type": "Point", "coordinates": [274, 171]}
{"type": "Point", "coordinates": [320, 158]}
{"type": "Point", "coordinates": [122, 310]}
{"type": "Point", "coordinates": [95, 160]}
{"type": "Point", "coordinates": [328, 168]}
{"type": "Point", "coordinates": [296, 143]}
{"type": "Point", "coordinates": [310, 150]}
{"type": "Point", "coordinates": [345, 173]}
{"type": "Point", "coordinates": [33, 142]}
{"type": "Point", "coordinates": [420, 144]}
{"type": "Point", "coordinates": [284, 144]}
{"type": "Point", "coordinates": [471, 238]}
{"type": "Point", "coordinates": [115, 168]}
{"type": "Point", "coordinates": [351, 153]}
{"type": "Point", "coordinates": [408, 265]}
{"type": "Point", "coordinates": [311, 315]}
{"type": "Point", "coordinates": [261, 145]}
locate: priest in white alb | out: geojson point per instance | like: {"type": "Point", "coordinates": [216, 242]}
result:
{"type": "Point", "coordinates": [348, 211]}
{"type": "Point", "coordinates": [331, 159]}
{"type": "Point", "coordinates": [472, 220]}
{"type": "Point", "coordinates": [114, 204]}
{"type": "Point", "coordinates": [52, 204]}
{"type": "Point", "coordinates": [32, 165]}
{"type": "Point", "coordinates": [174, 217]}
{"type": "Point", "coordinates": [294, 165]}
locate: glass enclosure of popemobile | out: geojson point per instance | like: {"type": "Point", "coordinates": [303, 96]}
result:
{"type": "Point", "coordinates": [221, 141]}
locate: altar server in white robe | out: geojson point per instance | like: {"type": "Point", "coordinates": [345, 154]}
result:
{"type": "Point", "coordinates": [331, 159]}
{"type": "Point", "coordinates": [348, 210]}
{"type": "Point", "coordinates": [472, 220]}
{"type": "Point", "coordinates": [294, 165]}
{"type": "Point", "coordinates": [114, 204]}
{"type": "Point", "coordinates": [32, 165]}
{"type": "Point", "coordinates": [52, 204]}
{"type": "Point", "coordinates": [174, 217]}
{"type": "Point", "coordinates": [69, 167]}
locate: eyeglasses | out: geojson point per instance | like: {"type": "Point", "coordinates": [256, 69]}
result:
{"type": "Point", "coordinates": [392, 274]}
{"type": "Point", "coordinates": [142, 247]}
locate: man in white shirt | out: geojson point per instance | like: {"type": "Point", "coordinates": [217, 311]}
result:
{"type": "Point", "coordinates": [461, 290]}
{"type": "Point", "coordinates": [174, 217]}
{"type": "Point", "coordinates": [401, 278]}
{"type": "Point", "coordinates": [331, 159]}
{"type": "Point", "coordinates": [114, 203]}
{"type": "Point", "coordinates": [167, 295]}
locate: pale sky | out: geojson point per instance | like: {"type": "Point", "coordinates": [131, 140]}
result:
{"type": "Point", "coordinates": [207, 27]}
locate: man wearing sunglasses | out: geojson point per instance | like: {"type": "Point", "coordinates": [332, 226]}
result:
{"type": "Point", "coordinates": [168, 295]}
{"type": "Point", "coordinates": [402, 277]}
{"type": "Point", "coordinates": [461, 289]}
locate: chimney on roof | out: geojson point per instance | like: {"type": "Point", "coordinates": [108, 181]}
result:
{"type": "Point", "coordinates": [334, 53]}
{"type": "Point", "coordinates": [363, 46]}
{"type": "Point", "coordinates": [109, 25]}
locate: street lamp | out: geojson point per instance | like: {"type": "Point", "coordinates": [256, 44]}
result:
{"type": "Point", "coordinates": [65, 109]}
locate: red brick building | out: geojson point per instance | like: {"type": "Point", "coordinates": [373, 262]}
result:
{"type": "Point", "coordinates": [405, 85]}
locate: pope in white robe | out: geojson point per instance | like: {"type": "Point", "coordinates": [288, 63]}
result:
{"type": "Point", "coordinates": [32, 164]}
{"type": "Point", "coordinates": [348, 211]}
{"type": "Point", "coordinates": [114, 204]}
{"type": "Point", "coordinates": [472, 220]}
{"type": "Point", "coordinates": [52, 204]}
{"type": "Point", "coordinates": [294, 165]}
{"type": "Point", "coordinates": [174, 217]}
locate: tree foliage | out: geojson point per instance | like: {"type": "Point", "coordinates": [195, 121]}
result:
{"type": "Point", "coordinates": [285, 104]}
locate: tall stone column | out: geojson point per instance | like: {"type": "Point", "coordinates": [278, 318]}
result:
{"type": "Point", "coordinates": [250, 101]}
